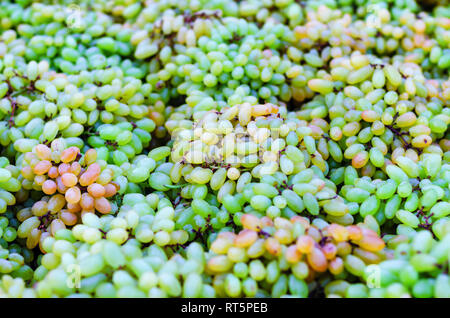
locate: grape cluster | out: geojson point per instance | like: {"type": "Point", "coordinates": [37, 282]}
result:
{"type": "Point", "coordinates": [17, 259]}
{"type": "Point", "coordinates": [418, 269]}
{"type": "Point", "coordinates": [282, 254]}
{"type": "Point", "coordinates": [74, 185]}
{"type": "Point", "coordinates": [9, 184]}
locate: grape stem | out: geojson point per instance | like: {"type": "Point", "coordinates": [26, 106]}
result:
{"type": "Point", "coordinates": [263, 233]}
{"type": "Point", "coordinates": [406, 144]}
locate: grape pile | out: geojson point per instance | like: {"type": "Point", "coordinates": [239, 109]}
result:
{"type": "Point", "coordinates": [196, 148]}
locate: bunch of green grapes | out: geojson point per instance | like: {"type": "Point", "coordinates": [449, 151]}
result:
{"type": "Point", "coordinates": [119, 143]}
{"type": "Point", "coordinates": [413, 202]}
{"type": "Point", "coordinates": [148, 219]}
{"type": "Point", "coordinates": [16, 259]}
{"type": "Point", "coordinates": [39, 105]}
{"type": "Point", "coordinates": [11, 287]}
{"type": "Point", "coordinates": [108, 269]}
{"type": "Point", "coordinates": [10, 188]}
{"type": "Point", "coordinates": [69, 38]}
